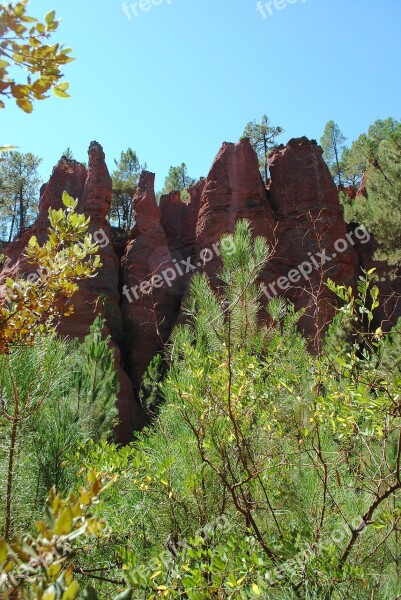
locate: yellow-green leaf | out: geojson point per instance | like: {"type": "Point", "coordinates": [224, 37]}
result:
{"type": "Point", "coordinates": [3, 551]}
{"type": "Point", "coordinates": [60, 93]}
{"type": "Point", "coordinates": [25, 104]}
{"type": "Point", "coordinates": [71, 592]}
{"type": "Point", "coordinates": [63, 524]}
{"type": "Point", "coordinates": [67, 200]}
{"type": "Point", "coordinates": [49, 18]}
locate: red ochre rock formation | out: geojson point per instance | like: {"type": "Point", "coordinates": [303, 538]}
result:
{"type": "Point", "coordinates": [362, 191]}
{"type": "Point", "coordinates": [349, 190]}
{"type": "Point", "coordinates": [150, 299]}
{"type": "Point", "coordinates": [179, 220]}
{"type": "Point", "coordinates": [233, 190]}
{"type": "Point", "coordinates": [310, 232]}
{"type": "Point", "coordinates": [298, 213]}
{"type": "Point", "coordinates": [100, 294]}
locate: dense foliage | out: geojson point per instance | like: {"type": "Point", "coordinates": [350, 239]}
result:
{"type": "Point", "coordinates": [263, 138]}
{"type": "Point", "coordinates": [267, 472]}
{"type": "Point", "coordinates": [35, 303]}
{"type": "Point", "coordinates": [19, 191]}
{"type": "Point", "coordinates": [373, 160]}
{"type": "Point", "coordinates": [71, 402]}
{"type": "Point", "coordinates": [379, 211]}
{"type": "Point", "coordinates": [125, 181]}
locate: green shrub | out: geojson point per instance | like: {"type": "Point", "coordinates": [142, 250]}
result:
{"type": "Point", "coordinates": [66, 394]}
{"type": "Point", "coordinates": [267, 472]}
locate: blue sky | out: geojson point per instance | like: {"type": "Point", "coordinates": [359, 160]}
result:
{"type": "Point", "coordinates": [177, 80]}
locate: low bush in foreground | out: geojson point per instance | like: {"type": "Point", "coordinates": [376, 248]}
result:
{"type": "Point", "coordinates": [266, 472]}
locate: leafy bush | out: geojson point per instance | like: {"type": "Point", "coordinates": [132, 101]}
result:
{"type": "Point", "coordinates": [268, 472]}
{"type": "Point", "coordinates": [66, 394]}
{"type": "Point", "coordinates": [380, 212]}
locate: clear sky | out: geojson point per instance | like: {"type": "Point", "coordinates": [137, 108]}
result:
{"type": "Point", "coordinates": [175, 81]}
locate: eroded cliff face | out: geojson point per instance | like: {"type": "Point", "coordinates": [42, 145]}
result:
{"type": "Point", "coordinates": [140, 294]}
{"type": "Point", "coordinates": [299, 214]}
{"type": "Point", "coordinates": [179, 220]}
{"type": "Point", "coordinates": [311, 234]}
{"type": "Point", "coordinates": [233, 190]}
{"type": "Point", "coordinates": [99, 295]}
{"type": "Point", "coordinates": [150, 301]}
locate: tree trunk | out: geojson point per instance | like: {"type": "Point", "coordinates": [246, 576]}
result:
{"type": "Point", "coordinates": [11, 457]}
{"type": "Point", "coordinates": [21, 210]}
{"type": "Point", "coordinates": [265, 158]}
{"type": "Point", "coordinates": [10, 237]}
{"type": "Point", "coordinates": [338, 165]}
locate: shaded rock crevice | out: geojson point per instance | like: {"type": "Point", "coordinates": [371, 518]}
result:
{"type": "Point", "coordinates": [150, 294]}
{"type": "Point", "coordinates": [98, 295]}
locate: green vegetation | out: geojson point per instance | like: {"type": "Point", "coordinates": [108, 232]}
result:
{"type": "Point", "coordinates": [19, 190]}
{"type": "Point", "coordinates": [333, 144]}
{"type": "Point", "coordinates": [30, 309]}
{"type": "Point", "coordinates": [374, 157]}
{"type": "Point", "coordinates": [125, 179]}
{"type": "Point", "coordinates": [380, 212]}
{"type": "Point", "coordinates": [68, 154]}
{"type": "Point", "coordinates": [178, 180]}
{"type": "Point", "coordinates": [35, 304]}
{"type": "Point", "coordinates": [262, 137]}
{"type": "Point", "coordinates": [71, 402]}
{"type": "Point", "coordinates": [34, 567]}
{"type": "Point", "coordinates": [24, 50]}
{"type": "Point", "coordinates": [266, 472]}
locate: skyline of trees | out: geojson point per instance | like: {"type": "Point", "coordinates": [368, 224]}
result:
{"type": "Point", "coordinates": [125, 179]}
{"type": "Point", "coordinates": [19, 192]}
{"type": "Point", "coordinates": [20, 177]}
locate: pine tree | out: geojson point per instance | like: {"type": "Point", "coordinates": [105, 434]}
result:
{"type": "Point", "coordinates": [19, 188]}
{"type": "Point", "coordinates": [150, 395]}
{"type": "Point", "coordinates": [333, 144]}
{"type": "Point", "coordinates": [68, 154]}
{"type": "Point", "coordinates": [96, 385]}
{"type": "Point", "coordinates": [355, 160]}
{"type": "Point", "coordinates": [262, 137]}
{"type": "Point", "coordinates": [177, 179]}
{"type": "Point", "coordinates": [125, 180]}
{"type": "Point", "coordinates": [84, 408]}
{"type": "Point", "coordinates": [380, 212]}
